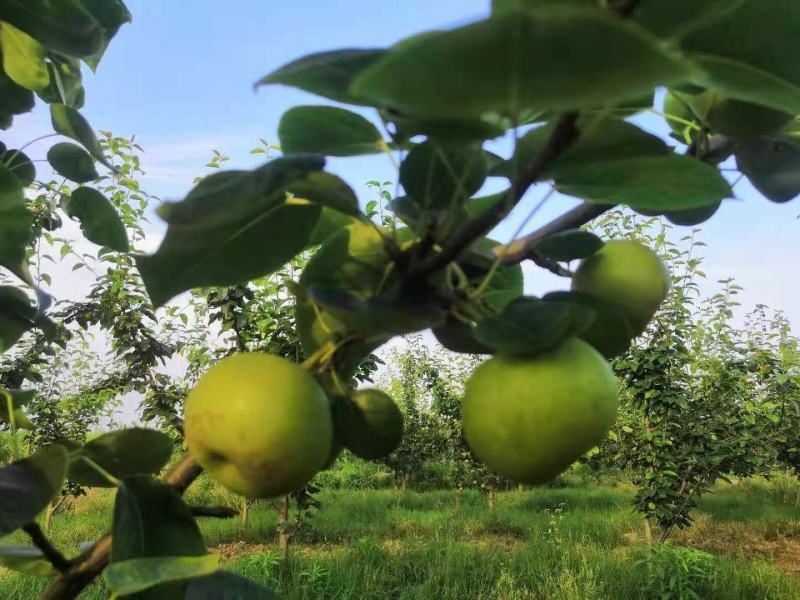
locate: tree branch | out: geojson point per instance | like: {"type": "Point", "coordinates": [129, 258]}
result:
{"type": "Point", "coordinates": [719, 150]}
{"type": "Point", "coordinates": [218, 512]}
{"type": "Point", "coordinates": [43, 543]}
{"type": "Point", "coordinates": [564, 134]}
{"type": "Point", "coordinates": [87, 566]}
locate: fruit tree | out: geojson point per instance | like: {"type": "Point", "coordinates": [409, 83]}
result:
{"type": "Point", "coordinates": [560, 78]}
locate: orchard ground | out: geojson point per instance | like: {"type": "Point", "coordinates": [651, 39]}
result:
{"type": "Point", "coordinates": [576, 540]}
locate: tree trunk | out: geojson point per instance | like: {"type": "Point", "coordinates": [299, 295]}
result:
{"type": "Point", "coordinates": [284, 536]}
{"type": "Point", "coordinates": [490, 499]}
{"type": "Point", "coordinates": [51, 511]}
{"type": "Point", "coordinates": [245, 513]}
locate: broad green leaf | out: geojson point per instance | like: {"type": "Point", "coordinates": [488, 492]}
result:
{"type": "Point", "coordinates": [69, 122]}
{"type": "Point", "coordinates": [99, 220]}
{"type": "Point", "coordinates": [25, 559]}
{"type": "Point", "coordinates": [751, 53]}
{"type": "Point", "coordinates": [649, 182]}
{"type": "Point", "coordinates": [600, 140]}
{"type": "Point", "coordinates": [530, 326]}
{"type": "Point", "coordinates": [378, 316]}
{"type": "Point", "coordinates": [235, 226]}
{"type": "Point", "coordinates": [547, 59]}
{"type": "Point", "coordinates": [406, 209]}
{"type": "Point", "coordinates": [124, 454]}
{"type": "Point", "coordinates": [141, 574]}
{"type": "Point", "coordinates": [354, 260]}
{"type": "Point", "coordinates": [72, 161]}
{"type": "Point", "coordinates": [17, 315]}
{"type": "Point", "coordinates": [459, 337]}
{"type": "Point", "coordinates": [567, 245]}
{"type": "Point", "coordinates": [330, 222]}
{"type": "Point", "coordinates": [325, 190]}
{"type": "Point", "coordinates": [27, 486]}
{"type": "Point", "coordinates": [440, 176]}
{"type": "Point", "coordinates": [477, 206]}
{"type": "Point", "coordinates": [772, 166]}
{"type": "Point", "coordinates": [14, 100]}
{"type": "Point", "coordinates": [227, 586]}
{"type": "Point", "coordinates": [15, 225]}
{"type": "Point", "coordinates": [67, 72]}
{"type": "Point", "coordinates": [326, 74]}
{"type": "Point", "coordinates": [20, 165]}
{"type": "Point", "coordinates": [609, 333]}
{"type": "Point", "coordinates": [23, 58]}
{"type": "Point", "coordinates": [506, 284]}
{"type": "Point", "coordinates": [151, 521]}
{"type": "Point", "coordinates": [328, 131]}
{"type": "Point", "coordinates": [693, 216]}
{"type": "Point", "coordinates": [676, 18]}
{"type": "Point", "coordinates": [62, 25]}
{"type": "Point", "coordinates": [447, 130]}
{"type": "Point", "coordinates": [111, 14]}
{"type": "Point", "coordinates": [500, 6]}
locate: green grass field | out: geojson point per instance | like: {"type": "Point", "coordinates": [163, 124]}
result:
{"type": "Point", "coordinates": [579, 542]}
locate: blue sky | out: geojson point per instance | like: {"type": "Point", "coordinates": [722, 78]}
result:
{"type": "Point", "coordinates": [180, 78]}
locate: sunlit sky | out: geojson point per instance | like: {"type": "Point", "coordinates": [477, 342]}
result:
{"type": "Point", "coordinates": [181, 78]}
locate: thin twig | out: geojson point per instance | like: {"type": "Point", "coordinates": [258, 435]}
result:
{"type": "Point", "coordinates": [43, 543]}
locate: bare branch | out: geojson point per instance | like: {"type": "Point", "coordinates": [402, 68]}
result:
{"type": "Point", "coordinates": [43, 543]}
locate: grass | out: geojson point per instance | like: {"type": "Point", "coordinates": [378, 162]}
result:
{"type": "Point", "coordinates": [570, 543]}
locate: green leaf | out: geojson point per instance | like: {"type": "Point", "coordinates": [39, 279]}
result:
{"type": "Point", "coordinates": [23, 58]}
{"type": "Point", "coordinates": [141, 574]}
{"type": "Point", "coordinates": [17, 315]}
{"type": "Point", "coordinates": [548, 59]}
{"type": "Point", "coordinates": [62, 25]}
{"type": "Point", "coordinates": [14, 99]}
{"type": "Point", "coordinates": [676, 18]}
{"type": "Point", "coordinates": [648, 182]}
{"type": "Point", "coordinates": [599, 140]}
{"type": "Point", "coordinates": [325, 190]}
{"type": "Point", "coordinates": [20, 165]}
{"type": "Point", "coordinates": [772, 166]}
{"type": "Point", "coordinates": [530, 326]}
{"type": "Point", "coordinates": [447, 130]}
{"type": "Point", "coordinates": [235, 226]}
{"type": "Point", "coordinates": [459, 337]}
{"type": "Point", "coordinates": [124, 454]}
{"type": "Point", "coordinates": [69, 122]}
{"type": "Point", "coordinates": [325, 73]}
{"type": "Point", "coordinates": [15, 225]}
{"type": "Point", "coordinates": [609, 333]}
{"type": "Point", "coordinates": [99, 220]}
{"type": "Point", "coordinates": [751, 53]}
{"type": "Point", "coordinates": [72, 161]}
{"type": "Point", "coordinates": [67, 72]}
{"type": "Point", "coordinates": [25, 559]}
{"type": "Point", "coordinates": [151, 521]}
{"type": "Point", "coordinates": [227, 586]}
{"type": "Point", "coordinates": [567, 245]}
{"type": "Point", "coordinates": [330, 222]}
{"type": "Point", "coordinates": [438, 176]}
{"type": "Point", "coordinates": [27, 486]}
{"type": "Point", "coordinates": [327, 130]}
{"type": "Point", "coordinates": [384, 316]}
{"type": "Point", "coordinates": [111, 14]}
{"type": "Point", "coordinates": [692, 216]}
